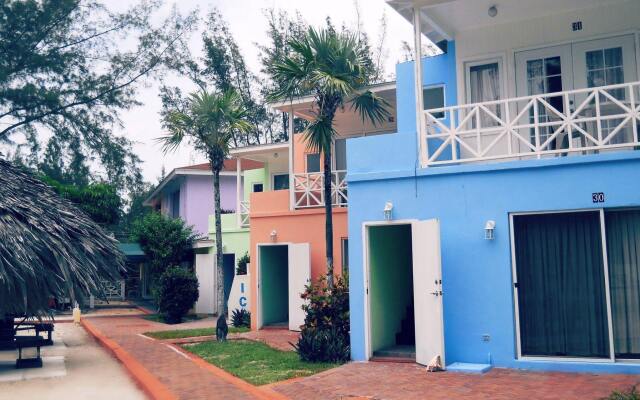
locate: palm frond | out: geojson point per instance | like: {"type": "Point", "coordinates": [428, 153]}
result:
{"type": "Point", "coordinates": [371, 107]}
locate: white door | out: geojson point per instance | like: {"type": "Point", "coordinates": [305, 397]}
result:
{"type": "Point", "coordinates": [205, 271]}
{"type": "Point", "coordinates": [299, 276]}
{"type": "Point", "coordinates": [543, 71]}
{"type": "Point", "coordinates": [427, 291]}
{"type": "Point", "coordinates": [258, 300]}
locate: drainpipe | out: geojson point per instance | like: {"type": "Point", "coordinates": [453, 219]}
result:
{"type": "Point", "coordinates": [420, 118]}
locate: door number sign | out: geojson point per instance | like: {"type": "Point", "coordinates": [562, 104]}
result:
{"type": "Point", "coordinates": [597, 197]}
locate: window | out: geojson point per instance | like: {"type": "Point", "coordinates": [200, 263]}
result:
{"type": "Point", "coordinates": [280, 181]}
{"type": "Point", "coordinates": [345, 254]}
{"type": "Point", "coordinates": [605, 67]}
{"type": "Point", "coordinates": [175, 204]}
{"type": "Point", "coordinates": [258, 187]}
{"type": "Point", "coordinates": [484, 85]}
{"type": "Point", "coordinates": [544, 75]}
{"type": "Point", "coordinates": [313, 162]}
{"type": "Point", "coordinates": [340, 154]}
{"type": "Point", "coordinates": [433, 97]}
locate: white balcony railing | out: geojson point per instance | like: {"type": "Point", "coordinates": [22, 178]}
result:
{"type": "Point", "coordinates": [582, 121]}
{"type": "Point", "coordinates": [244, 214]}
{"type": "Point", "coordinates": [308, 189]}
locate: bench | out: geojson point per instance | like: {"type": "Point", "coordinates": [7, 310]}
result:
{"type": "Point", "coordinates": [39, 327]}
{"type": "Point", "coordinates": [23, 342]}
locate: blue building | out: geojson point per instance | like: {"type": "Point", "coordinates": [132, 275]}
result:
{"type": "Point", "coordinates": [501, 226]}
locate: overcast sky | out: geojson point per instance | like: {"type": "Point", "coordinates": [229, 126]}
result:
{"type": "Point", "coordinates": [248, 25]}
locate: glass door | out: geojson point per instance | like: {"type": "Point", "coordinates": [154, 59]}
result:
{"type": "Point", "coordinates": [606, 62]}
{"type": "Point", "coordinates": [539, 72]}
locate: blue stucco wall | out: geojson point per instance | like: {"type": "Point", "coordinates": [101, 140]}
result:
{"type": "Point", "coordinates": [477, 277]}
{"type": "Point", "coordinates": [399, 151]}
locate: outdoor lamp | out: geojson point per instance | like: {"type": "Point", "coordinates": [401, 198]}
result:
{"type": "Point", "coordinates": [388, 211]}
{"type": "Point", "coordinates": [489, 228]}
{"type": "Point", "coordinates": [493, 11]}
{"type": "Point", "coordinates": [274, 236]}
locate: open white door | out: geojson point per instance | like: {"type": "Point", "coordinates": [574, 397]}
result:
{"type": "Point", "coordinates": [257, 302]}
{"type": "Point", "coordinates": [205, 271]}
{"type": "Point", "coordinates": [299, 275]}
{"type": "Point", "coordinates": [427, 291]}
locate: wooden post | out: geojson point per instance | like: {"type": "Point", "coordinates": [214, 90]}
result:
{"type": "Point", "coordinates": [292, 195]}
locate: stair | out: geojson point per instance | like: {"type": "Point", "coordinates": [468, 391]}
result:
{"type": "Point", "coordinates": [407, 334]}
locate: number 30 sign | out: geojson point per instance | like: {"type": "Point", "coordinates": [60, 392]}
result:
{"type": "Point", "coordinates": [597, 197]}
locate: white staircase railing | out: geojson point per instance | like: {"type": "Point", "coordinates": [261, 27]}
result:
{"type": "Point", "coordinates": [308, 189]}
{"type": "Point", "coordinates": [578, 121]}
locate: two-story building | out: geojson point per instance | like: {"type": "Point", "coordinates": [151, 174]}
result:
{"type": "Point", "coordinates": [187, 193]}
{"type": "Point", "coordinates": [502, 226]}
{"type": "Point", "coordinates": [282, 210]}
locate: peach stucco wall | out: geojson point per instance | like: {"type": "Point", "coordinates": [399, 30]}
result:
{"type": "Point", "coordinates": [299, 226]}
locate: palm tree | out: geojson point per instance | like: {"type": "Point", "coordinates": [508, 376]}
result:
{"type": "Point", "coordinates": [334, 67]}
{"type": "Point", "coordinates": [209, 122]}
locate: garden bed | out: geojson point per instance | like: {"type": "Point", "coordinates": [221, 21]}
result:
{"type": "Point", "coordinates": [255, 362]}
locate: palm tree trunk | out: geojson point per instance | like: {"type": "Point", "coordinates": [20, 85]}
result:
{"type": "Point", "coordinates": [328, 210]}
{"type": "Point", "coordinates": [219, 306]}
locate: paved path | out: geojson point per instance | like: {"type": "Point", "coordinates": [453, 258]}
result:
{"type": "Point", "coordinates": [179, 374]}
{"type": "Point", "coordinates": [410, 381]}
{"type": "Point", "coordinates": [88, 372]}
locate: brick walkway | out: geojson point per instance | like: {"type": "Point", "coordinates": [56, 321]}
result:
{"type": "Point", "coordinates": [280, 339]}
{"type": "Point", "coordinates": [181, 375]}
{"type": "Point", "coordinates": [409, 381]}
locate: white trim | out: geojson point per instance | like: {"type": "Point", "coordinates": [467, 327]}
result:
{"type": "Point", "coordinates": [607, 288]}
{"type": "Point", "coordinates": [366, 275]}
{"type": "Point", "coordinates": [277, 105]}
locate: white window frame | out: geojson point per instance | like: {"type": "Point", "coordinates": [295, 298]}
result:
{"type": "Point", "coordinates": [484, 61]}
{"type": "Point", "coordinates": [273, 179]}
{"type": "Point", "coordinates": [444, 96]}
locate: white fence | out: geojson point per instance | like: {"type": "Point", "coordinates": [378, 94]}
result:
{"type": "Point", "coordinates": [308, 189]}
{"type": "Point", "coordinates": [582, 121]}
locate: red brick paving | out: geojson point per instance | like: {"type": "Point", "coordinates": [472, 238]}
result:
{"type": "Point", "coordinates": [410, 381]}
{"type": "Point", "coordinates": [183, 377]}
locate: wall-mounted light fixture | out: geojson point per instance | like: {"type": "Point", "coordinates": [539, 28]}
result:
{"type": "Point", "coordinates": [489, 229]}
{"type": "Point", "coordinates": [274, 236]}
{"type": "Point", "coordinates": [492, 11]}
{"type": "Point", "coordinates": [388, 211]}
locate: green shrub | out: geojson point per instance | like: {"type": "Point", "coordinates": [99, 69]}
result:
{"type": "Point", "coordinates": [242, 264]}
{"type": "Point", "coordinates": [324, 337]}
{"type": "Point", "coordinates": [240, 318]}
{"type": "Point", "coordinates": [631, 394]}
{"type": "Point", "coordinates": [177, 293]}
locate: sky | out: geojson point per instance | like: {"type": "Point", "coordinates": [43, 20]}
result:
{"type": "Point", "coordinates": [248, 25]}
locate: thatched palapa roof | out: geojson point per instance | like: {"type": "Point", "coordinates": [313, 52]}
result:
{"type": "Point", "coordinates": [48, 247]}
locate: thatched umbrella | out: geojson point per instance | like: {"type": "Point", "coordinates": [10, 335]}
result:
{"type": "Point", "coordinates": [48, 247]}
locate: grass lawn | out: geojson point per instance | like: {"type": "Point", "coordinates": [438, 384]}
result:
{"type": "Point", "coordinates": [184, 333]}
{"type": "Point", "coordinates": [160, 318]}
{"type": "Point", "coordinates": [256, 362]}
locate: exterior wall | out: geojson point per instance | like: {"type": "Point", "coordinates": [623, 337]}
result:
{"type": "Point", "coordinates": [476, 273]}
{"type": "Point", "coordinates": [503, 40]}
{"type": "Point", "coordinates": [301, 226]}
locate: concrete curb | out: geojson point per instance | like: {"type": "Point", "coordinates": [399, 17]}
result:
{"type": "Point", "coordinates": [143, 378]}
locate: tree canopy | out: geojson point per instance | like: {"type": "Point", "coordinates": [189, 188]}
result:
{"type": "Point", "coordinates": [48, 247]}
{"type": "Point", "coordinates": [69, 67]}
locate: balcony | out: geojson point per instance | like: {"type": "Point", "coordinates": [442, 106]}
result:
{"type": "Point", "coordinates": [582, 121]}
{"type": "Point", "coordinates": [308, 189]}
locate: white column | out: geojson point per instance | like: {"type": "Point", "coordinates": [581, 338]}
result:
{"type": "Point", "coordinates": [420, 117]}
{"type": "Point", "coordinates": [239, 191]}
{"type": "Point", "coordinates": [292, 197]}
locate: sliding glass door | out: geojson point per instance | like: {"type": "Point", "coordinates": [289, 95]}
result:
{"type": "Point", "coordinates": [567, 305]}
{"type": "Point", "coordinates": [623, 250]}
{"type": "Point", "coordinates": [561, 285]}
